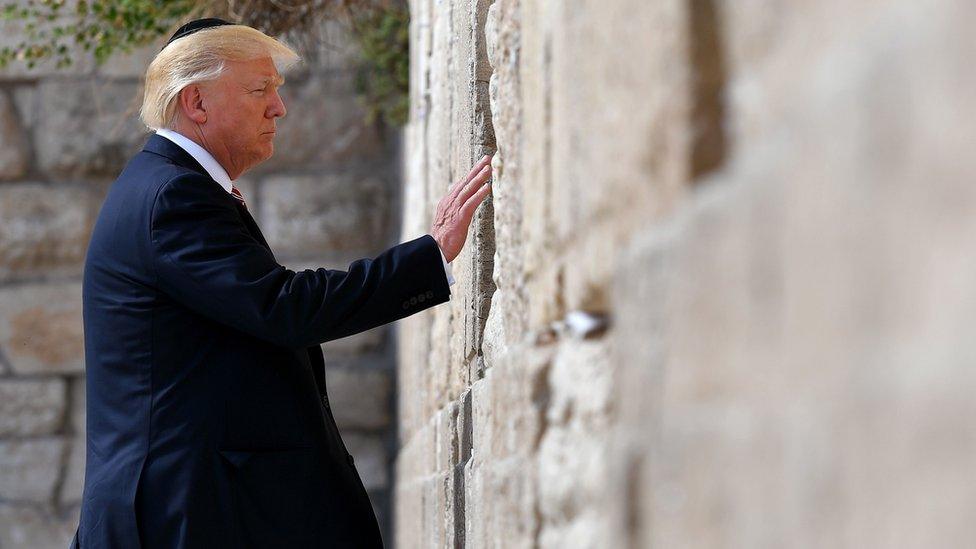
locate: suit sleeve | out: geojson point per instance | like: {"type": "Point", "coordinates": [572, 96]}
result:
{"type": "Point", "coordinates": [205, 259]}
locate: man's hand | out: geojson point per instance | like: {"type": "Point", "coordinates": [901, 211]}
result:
{"type": "Point", "coordinates": [455, 210]}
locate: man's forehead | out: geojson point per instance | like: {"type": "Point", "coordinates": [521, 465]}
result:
{"type": "Point", "coordinates": [257, 69]}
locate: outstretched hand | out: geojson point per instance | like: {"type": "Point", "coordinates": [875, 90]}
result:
{"type": "Point", "coordinates": [457, 207]}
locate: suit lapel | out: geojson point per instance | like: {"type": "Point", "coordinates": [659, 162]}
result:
{"type": "Point", "coordinates": [158, 144]}
{"type": "Point", "coordinates": [252, 226]}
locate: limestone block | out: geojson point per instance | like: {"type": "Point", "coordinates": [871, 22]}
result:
{"type": "Point", "coordinates": [360, 398]}
{"type": "Point", "coordinates": [25, 99]}
{"type": "Point", "coordinates": [30, 527]}
{"type": "Point", "coordinates": [45, 230]}
{"type": "Point", "coordinates": [131, 64]}
{"type": "Point", "coordinates": [327, 213]}
{"type": "Point", "coordinates": [12, 33]}
{"type": "Point", "coordinates": [324, 124]}
{"type": "Point", "coordinates": [413, 337]}
{"type": "Point", "coordinates": [370, 454]}
{"type": "Point", "coordinates": [14, 141]}
{"type": "Point", "coordinates": [78, 401]}
{"type": "Point", "coordinates": [581, 384]}
{"type": "Point", "coordinates": [74, 475]}
{"type": "Point", "coordinates": [41, 328]}
{"type": "Point", "coordinates": [93, 130]}
{"type": "Point", "coordinates": [361, 343]}
{"type": "Point", "coordinates": [31, 406]}
{"type": "Point", "coordinates": [74, 480]}
{"type": "Point", "coordinates": [30, 468]}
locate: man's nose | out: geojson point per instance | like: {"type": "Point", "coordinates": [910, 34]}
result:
{"type": "Point", "coordinates": [277, 107]}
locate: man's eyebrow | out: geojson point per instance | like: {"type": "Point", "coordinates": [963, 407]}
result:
{"type": "Point", "coordinates": [277, 80]}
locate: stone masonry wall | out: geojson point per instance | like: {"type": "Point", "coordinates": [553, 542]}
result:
{"type": "Point", "coordinates": [723, 293]}
{"type": "Point", "coordinates": [327, 197]}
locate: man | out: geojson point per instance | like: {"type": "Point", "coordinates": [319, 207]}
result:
{"type": "Point", "coordinates": [208, 420]}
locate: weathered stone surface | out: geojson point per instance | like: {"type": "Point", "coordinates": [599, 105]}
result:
{"type": "Point", "coordinates": [769, 206]}
{"type": "Point", "coordinates": [34, 527]}
{"type": "Point", "coordinates": [41, 328]}
{"type": "Point", "coordinates": [93, 130]}
{"type": "Point", "coordinates": [45, 230]}
{"type": "Point", "coordinates": [13, 32]}
{"type": "Point", "coordinates": [360, 398]}
{"type": "Point", "coordinates": [14, 141]}
{"type": "Point", "coordinates": [31, 407]}
{"type": "Point", "coordinates": [74, 475]}
{"type": "Point", "coordinates": [30, 469]}
{"type": "Point", "coordinates": [324, 125]}
{"type": "Point", "coordinates": [361, 343]}
{"type": "Point", "coordinates": [309, 215]}
{"type": "Point", "coordinates": [370, 454]}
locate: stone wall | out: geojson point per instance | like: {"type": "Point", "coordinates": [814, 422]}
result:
{"type": "Point", "coordinates": [723, 292]}
{"type": "Point", "coordinates": [327, 197]}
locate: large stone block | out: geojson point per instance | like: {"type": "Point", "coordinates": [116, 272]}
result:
{"type": "Point", "coordinates": [93, 130]}
{"type": "Point", "coordinates": [361, 343]}
{"type": "Point", "coordinates": [30, 469]}
{"type": "Point", "coordinates": [360, 397]}
{"type": "Point", "coordinates": [309, 215]}
{"type": "Point", "coordinates": [45, 229]}
{"type": "Point", "coordinates": [371, 457]}
{"type": "Point", "coordinates": [31, 406]}
{"type": "Point", "coordinates": [325, 125]}
{"type": "Point", "coordinates": [14, 141]}
{"type": "Point", "coordinates": [41, 328]}
{"type": "Point", "coordinates": [31, 527]}
{"type": "Point", "coordinates": [74, 473]}
{"type": "Point", "coordinates": [13, 32]}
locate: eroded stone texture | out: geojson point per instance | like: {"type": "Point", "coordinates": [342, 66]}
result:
{"type": "Point", "coordinates": [31, 407]}
{"type": "Point", "coordinates": [309, 215]}
{"type": "Point", "coordinates": [34, 527]}
{"type": "Point", "coordinates": [30, 469]}
{"type": "Point", "coordinates": [324, 125]}
{"type": "Point", "coordinates": [45, 229]}
{"type": "Point", "coordinates": [769, 205]}
{"type": "Point", "coordinates": [14, 141]}
{"type": "Point", "coordinates": [360, 398]}
{"type": "Point", "coordinates": [93, 130]}
{"type": "Point", "coordinates": [41, 328]}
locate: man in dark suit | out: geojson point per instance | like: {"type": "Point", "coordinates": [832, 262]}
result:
{"type": "Point", "coordinates": [208, 420]}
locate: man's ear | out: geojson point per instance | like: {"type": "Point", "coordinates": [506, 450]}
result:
{"type": "Point", "coordinates": [191, 104]}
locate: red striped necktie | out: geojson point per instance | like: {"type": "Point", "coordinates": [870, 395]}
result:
{"type": "Point", "coordinates": [237, 194]}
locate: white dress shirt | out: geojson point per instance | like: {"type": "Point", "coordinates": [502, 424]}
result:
{"type": "Point", "coordinates": [219, 174]}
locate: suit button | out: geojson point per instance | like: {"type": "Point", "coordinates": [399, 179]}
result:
{"type": "Point", "coordinates": [406, 305]}
{"type": "Point", "coordinates": [350, 459]}
{"type": "Point", "coordinates": [430, 294]}
{"type": "Point", "coordinates": [421, 298]}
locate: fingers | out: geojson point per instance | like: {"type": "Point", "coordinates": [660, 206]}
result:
{"type": "Point", "coordinates": [475, 171]}
{"type": "Point", "coordinates": [485, 161]}
{"type": "Point", "coordinates": [469, 207]}
{"type": "Point", "coordinates": [477, 182]}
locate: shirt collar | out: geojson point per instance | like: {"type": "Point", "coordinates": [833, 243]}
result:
{"type": "Point", "coordinates": [201, 155]}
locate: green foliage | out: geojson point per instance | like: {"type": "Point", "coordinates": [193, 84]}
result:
{"type": "Point", "coordinates": [55, 30]}
{"type": "Point", "coordinates": [383, 80]}
{"type": "Point", "coordinates": [59, 30]}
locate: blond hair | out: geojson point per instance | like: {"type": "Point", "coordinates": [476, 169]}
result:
{"type": "Point", "coordinates": [200, 57]}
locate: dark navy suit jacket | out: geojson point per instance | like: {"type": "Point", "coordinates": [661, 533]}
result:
{"type": "Point", "coordinates": [208, 421]}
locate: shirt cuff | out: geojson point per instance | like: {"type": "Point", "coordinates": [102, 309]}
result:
{"type": "Point", "coordinates": [447, 268]}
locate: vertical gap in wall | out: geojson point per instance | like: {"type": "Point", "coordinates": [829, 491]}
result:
{"type": "Point", "coordinates": [483, 142]}
{"type": "Point", "coordinates": [708, 74]}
